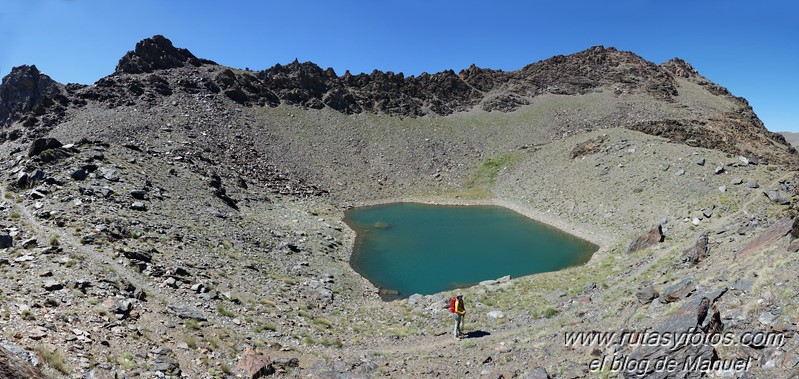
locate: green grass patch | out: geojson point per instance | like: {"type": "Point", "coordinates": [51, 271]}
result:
{"type": "Point", "coordinates": [224, 312]}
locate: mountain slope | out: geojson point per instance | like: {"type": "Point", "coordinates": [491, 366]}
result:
{"type": "Point", "coordinates": [187, 218]}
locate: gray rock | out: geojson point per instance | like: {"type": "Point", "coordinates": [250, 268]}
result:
{"type": "Point", "coordinates": [138, 255]}
{"type": "Point", "coordinates": [109, 174]}
{"type": "Point", "coordinates": [665, 167]}
{"type": "Point", "coordinates": [722, 188]}
{"type": "Point", "coordinates": [707, 213]}
{"type": "Point", "coordinates": [646, 294]}
{"type": "Point", "coordinates": [539, 373]}
{"type": "Point", "coordinates": [6, 241]}
{"type": "Point", "coordinates": [139, 194]}
{"type": "Point", "coordinates": [700, 161]}
{"type": "Point", "coordinates": [777, 196]}
{"type": "Point", "coordinates": [496, 314]}
{"type": "Point", "coordinates": [752, 184]}
{"type": "Point", "coordinates": [680, 172]}
{"type": "Point", "coordinates": [138, 206]}
{"type": "Point", "coordinates": [697, 252]}
{"type": "Point", "coordinates": [254, 366]}
{"type": "Point", "coordinates": [28, 243]}
{"type": "Point", "coordinates": [186, 312]}
{"type": "Point", "coordinates": [415, 298]}
{"type": "Point", "coordinates": [718, 170]}
{"type": "Point", "coordinates": [79, 174]}
{"type": "Point", "coordinates": [42, 144]}
{"type": "Point", "coordinates": [677, 291]}
{"type": "Point", "coordinates": [753, 159]}
{"type": "Point", "coordinates": [53, 285]}
{"type": "Point", "coordinates": [122, 307]}
{"type": "Point", "coordinates": [737, 181]}
{"type": "Point", "coordinates": [767, 318]}
{"type": "Point", "coordinates": [744, 160]}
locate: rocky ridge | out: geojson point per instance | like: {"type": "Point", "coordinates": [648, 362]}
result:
{"type": "Point", "coordinates": [146, 75]}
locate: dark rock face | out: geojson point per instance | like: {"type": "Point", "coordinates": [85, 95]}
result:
{"type": "Point", "coordinates": [26, 90]}
{"type": "Point", "coordinates": [156, 53]}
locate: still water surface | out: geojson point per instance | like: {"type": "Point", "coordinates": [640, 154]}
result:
{"type": "Point", "coordinates": [420, 248]}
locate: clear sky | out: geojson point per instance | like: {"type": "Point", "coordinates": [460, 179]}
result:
{"type": "Point", "coordinates": [751, 47]}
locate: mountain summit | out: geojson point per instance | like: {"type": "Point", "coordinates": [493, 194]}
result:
{"type": "Point", "coordinates": [157, 53]}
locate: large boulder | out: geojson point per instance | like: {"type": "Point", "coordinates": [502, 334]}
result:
{"type": "Point", "coordinates": [254, 366]}
{"type": "Point", "coordinates": [646, 294]}
{"type": "Point", "coordinates": [651, 237]}
{"type": "Point", "coordinates": [40, 145]}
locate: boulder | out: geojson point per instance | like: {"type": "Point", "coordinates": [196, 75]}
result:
{"type": "Point", "coordinates": [53, 285]}
{"type": "Point", "coordinates": [139, 194]}
{"type": "Point", "coordinates": [677, 291]}
{"type": "Point", "coordinates": [138, 206]}
{"type": "Point", "coordinates": [79, 174]}
{"type": "Point", "coordinates": [40, 145]}
{"type": "Point", "coordinates": [700, 161]}
{"type": "Point", "coordinates": [752, 184]}
{"type": "Point", "coordinates": [718, 170]}
{"type": "Point", "coordinates": [795, 227]}
{"type": "Point", "coordinates": [651, 237]}
{"type": "Point", "coordinates": [186, 312]}
{"type": "Point", "coordinates": [138, 255]}
{"type": "Point", "coordinates": [737, 181]}
{"type": "Point", "coordinates": [646, 294]}
{"type": "Point", "coordinates": [254, 366]}
{"type": "Point", "coordinates": [777, 196]}
{"type": "Point", "coordinates": [109, 173]}
{"type": "Point", "coordinates": [496, 314]}
{"type": "Point", "coordinates": [539, 373]}
{"type": "Point", "coordinates": [697, 252]}
{"type": "Point", "coordinates": [6, 241]}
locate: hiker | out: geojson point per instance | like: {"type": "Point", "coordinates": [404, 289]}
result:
{"type": "Point", "coordinates": [458, 310]}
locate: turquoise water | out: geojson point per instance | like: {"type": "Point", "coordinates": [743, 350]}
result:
{"type": "Point", "coordinates": [419, 248]}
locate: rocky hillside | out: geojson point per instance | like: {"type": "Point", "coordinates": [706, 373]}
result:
{"type": "Point", "coordinates": [179, 218]}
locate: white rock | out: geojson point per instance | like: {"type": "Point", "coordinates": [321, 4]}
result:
{"type": "Point", "coordinates": [496, 314]}
{"type": "Point", "coordinates": [695, 221]}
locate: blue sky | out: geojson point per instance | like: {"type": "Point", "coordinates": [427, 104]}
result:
{"type": "Point", "coordinates": [750, 47]}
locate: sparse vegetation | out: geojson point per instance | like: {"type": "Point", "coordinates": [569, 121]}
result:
{"type": "Point", "coordinates": [54, 358]}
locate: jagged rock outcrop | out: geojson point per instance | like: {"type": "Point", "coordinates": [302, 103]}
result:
{"type": "Point", "coordinates": [157, 53]}
{"type": "Point", "coordinates": [25, 93]}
